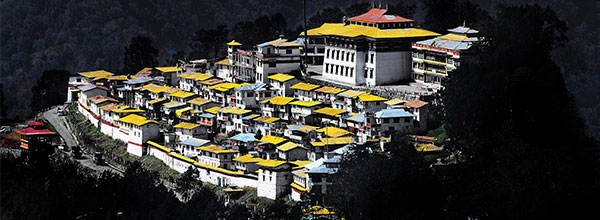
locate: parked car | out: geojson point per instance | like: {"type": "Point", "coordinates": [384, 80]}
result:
{"type": "Point", "coordinates": [60, 111]}
{"type": "Point", "coordinates": [5, 129]}
{"type": "Point", "coordinates": [76, 152]}
{"type": "Point", "coordinates": [98, 158]}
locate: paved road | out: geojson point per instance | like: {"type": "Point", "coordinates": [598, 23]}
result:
{"type": "Point", "coordinates": [59, 123]}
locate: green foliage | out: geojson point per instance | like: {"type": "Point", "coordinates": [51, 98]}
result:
{"type": "Point", "coordinates": [139, 54]}
{"type": "Point", "coordinates": [188, 183]}
{"type": "Point", "coordinates": [439, 133]}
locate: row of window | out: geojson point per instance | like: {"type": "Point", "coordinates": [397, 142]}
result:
{"type": "Point", "coordinates": [339, 55]}
{"type": "Point", "coordinates": [339, 70]}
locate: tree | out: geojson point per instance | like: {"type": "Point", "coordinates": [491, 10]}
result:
{"type": "Point", "coordinates": [139, 54]}
{"type": "Point", "coordinates": [389, 185]}
{"type": "Point", "coordinates": [326, 15]}
{"type": "Point", "coordinates": [188, 183]}
{"type": "Point", "coordinates": [209, 43]}
{"type": "Point", "coordinates": [50, 89]}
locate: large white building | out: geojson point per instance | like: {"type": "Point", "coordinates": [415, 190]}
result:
{"type": "Point", "coordinates": [370, 49]}
{"type": "Point", "coordinates": [277, 56]}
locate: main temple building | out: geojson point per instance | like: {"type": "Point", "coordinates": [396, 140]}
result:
{"type": "Point", "coordinates": [370, 49]}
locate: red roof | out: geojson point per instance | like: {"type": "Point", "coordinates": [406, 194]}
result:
{"type": "Point", "coordinates": [36, 123]}
{"type": "Point", "coordinates": [415, 104]}
{"type": "Point", "coordinates": [377, 15]}
{"type": "Point", "coordinates": [31, 131]}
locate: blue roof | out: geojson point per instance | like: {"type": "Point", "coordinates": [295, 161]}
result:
{"type": "Point", "coordinates": [346, 116]}
{"type": "Point", "coordinates": [358, 118]}
{"type": "Point", "coordinates": [315, 164]}
{"type": "Point", "coordinates": [294, 127]}
{"type": "Point", "coordinates": [195, 142]}
{"type": "Point", "coordinates": [179, 104]}
{"type": "Point", "coordinates": [244, 137]}
{"type": "Point", "coordinates": [322, 169]}
{"type": "Point", "coordinates": [345, 96]}
{"type": "Point", "coordinates": [392, 113]}
{"type": "Point", "coordinates": [207, 115]}
{"type": "Point", "coordinates": [334, 159]}
{"type": "Point", "coordinates": [299, 41]}
{"type": "Point", "coordinates": [248, 117]}
{"type": "Point", "coordinates": [250, 87]}
{"type": "Point", "coordinates": [138, 80]}
{"type": "Point", "coordinates": [342, 150]}
{"type": "Point", "coordinates": [121, 89]}
{"type": "Point", "coordinates": [263, 44]}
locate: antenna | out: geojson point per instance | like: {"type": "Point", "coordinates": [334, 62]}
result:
{"type": "Point", "coordinates": [373, 4]}
{"type": "Point", "coordinates": [386, 6]}
{"type": "Point", "coordinates": [379, 4]}
{"type": "Point", "coordinates": [464, 23]}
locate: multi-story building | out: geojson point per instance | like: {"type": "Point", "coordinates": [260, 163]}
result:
{"type": "Point", "coordinates": [217, 157]}
{"type": "Point", "coordinates": [433, 59]}
{"type": "Point", "coordinates": [136, 130]}
{"type": "Point", "coordinates": [277, 107]}
{"type": "Point", "coordinates": [277, 56]}
{"type": "Point", "coordinates": [370, 49]}
{"type": "Point", "coordinates": [283, 82]}
{"type": "Point", "coordinates": [305, 91]}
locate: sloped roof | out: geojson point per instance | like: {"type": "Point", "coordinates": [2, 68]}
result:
{"type": "Point", "coordinates": [334, 131]}
{"type": "Point", "coordinates": [415, 104]}
{"type": "Point", "coordinates": [280, 43]}
{"type": "Point", "coordinates": [234, 43]}
{"type": "Point", "coordinates": [330, 111]}
{"type": "Point", "coordinates": [244, 137]}
{"type": "Point", "coordinates": [304, 86]}
{"type": "Point", "coordinates": [392, 113]}
{"type": "Point", "coordinates": [199, 101]}
{"type": "Point", "coordinates": [368, 97]}
{"type": "Point", "coordinates": [377, 15]}
{"type": "Point", "coordinates": [353, 31]}
{"type": "Point", "coordinates": [167, 69]}
{"type": "Point", "coordinates": [266, 119]}
{"type": "Point", "coordinates": [195, 76]}
{"type": "Point", "coordinates": [272, 139]}
{"type": "Point", "coordinates": [279, 100]}
{"type": "Point", "coordinates": [330, 90]}
{"type": "Point", "coordinates": [305, 103]}
{"type": "Point", "coordinates": [196, 142]}
{"type": "Point", "coordinates": [96, 73]}
{"type": "Point", "coordinates": [136, 120]}
{"type": "Point", "coordinates": [232, 110]}
{"type": "Point", "coordinates": [281, 77]}
{"type": "Point", "coordinates": [351, 93]}
{"type": "Point", "coordinates": [288, 146]}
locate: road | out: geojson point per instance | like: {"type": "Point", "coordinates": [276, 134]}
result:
{"type": "Point", "coordinates": [59, 123]}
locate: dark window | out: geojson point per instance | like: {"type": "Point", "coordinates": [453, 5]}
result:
{"type": "Point", "coordinates": [386, 120]}
{"type": "Point", "coordinates": [272, 63]}
{"type": "Point", "coordinates": [288, 51]}
{"type": "Point", "coordinates": [406, 119]}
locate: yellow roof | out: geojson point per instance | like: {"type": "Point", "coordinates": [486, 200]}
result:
{"type": "Point", "coordinates": [179, 112]}
{"type": "Point", "coordinates": [281, 77]}
{"type": "Point", "coordinates": [150, 86]}
{"type": "Point", "coordinates": [225, 86]}
{"type": "Point", "coordinates": [216, 149]}
{"type": "Point", "coordinates": [100, 99]}
{"type": "Point", "coordinates": [306, 103]}
{"type": "Point", "coordinates": [136, 120]}
{"type": "Point", "coordinates": [427, 148]}
{"type": "Point", "coordinates": [352, 93]}
{"type": "Point", "coordinates": [307, 128]}
{"type": "Point", "coordinates": [224, 62]}
{"type": "Point", "coordinates": [127, 109]}
{"type": "Point", "coordinates": [330, 90]}
{"type": "Point", "coordinates": [300, 163]}
{"type": "Point", "coordinates": [271, 163]}
{"type": "Point", "coordinates": [121, 77]}
{"type": "Point", "coordinates": [318, 210]}
{"type": "Point", "coordinates": [333, 141]}
{"type": "Point", "coordinates": [454, 37]}
{"type": "Point", "coordinates": [340, 29]}
{"type": "Point", "coordinates": [173, 90]}
{"type": "Point", "coordinates": [247, 159]}
{"type": "Point", "coordinates": [236, 111]}
{"type": "Point", "coordinates": [196, 76]}
{"type": "Point", "coordinates": [168, 69]}
{"type": "Point", "coordinates": [304, 86]}
{"type": "Point", "coordinates": [298, 187]}
{"type": "Point", "coordinates": [330, 111]}
{"type": "Point", "coordinates": [367, 97]}
{"type": "Point", "coordinates": [154, 101]}
{"type": "Point", "coordinates": [234, 43]}
{"type": "Point", "coordinates": [272, 139]}
{"type": "Point", "coordinates": [213, 110]}
{"type": "Point", "coordinates": [96, 74]}
{"type": "Point", "coordinates": [279, 100]}
{"type": "Point", "coordinates": [266, 119]}
{"type": "Point", "coordinates": [173, 154]}
{"type": "Point", "coordinates": [112, 106]}
{"type": "Point", "coordinates": [182, 94]}
{"type": "Point", "coordinates": [160, 89]}
{"type": "Point", "coordinates": [170, 103]}
{"type": "Point", "coordinates": [395, 102]}
{"type": "Point", "coordinates": [334, 131]}
{"type": "Point", "coordinates": [288, 146]}
{"type": "Point", "coordinates": [168, 150]}
{"type": "Point", "coordinates": [218, 169]}
{"type": "Point", "coordinates": [252, 116]}
{"type": "Point", "coordinates": [199, 101]}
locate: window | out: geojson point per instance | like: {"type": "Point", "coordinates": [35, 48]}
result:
{"type": "Point", "coordinates": [288, 51]}
{"type": "Point", "coordinates": [272, 63]}
{"type": "Point", "coordinates": [386, 120]}
{"type": "Point", "coordinates": [352, 57]}
{"type": "Point", "coordinates": [366, 57]}
{"type": "Point", "coordinates": [337, 55]}
{"type": "Point", "coordinates": [327, 53]}
{"type": "Point", "coordinates": [371, 73]}
{"type": "Point", "coordinates": [327, 68]}
{"type": "Point", "coordinates": [406, 119]}
{"type": "Point", "coordinates": [372, 58]}
{"type": "Point", "coordinates": [366, 72]}
{"type": "Point", "coordinates": [343, 53]}
{"type": "Point", "coordinates": [396, 120]}
{"type": "Point", "coordinates": [320, 50]}
{"type": "Point", "coordinates": [351, 72]}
